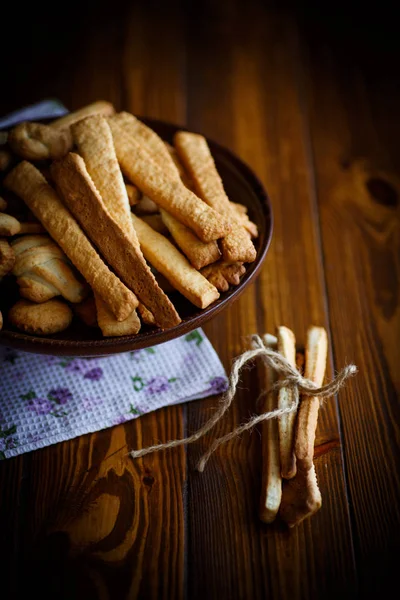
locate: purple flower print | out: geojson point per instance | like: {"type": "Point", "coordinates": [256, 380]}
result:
{"type": "Point", "coordinates": [41, 406]}
{"type": "Point", "coordinates": [190, 358]}
{"type": "Point", "coordinates": [156, 385]}
{"type": "Point", "coordinates": [11, 443]}
{"type": "Point", "coordinates": [218, 385]}
{"type": "Point", "coordinates": [94, 374]}
{"type": "Point", "coordinates": [32, 439]}
{"type": "Point", "coordinates": [91, 403]}
{"type": "Point", "coordinates": [76, 365]}
{"type": "Point", "coordinates": [60, 395]}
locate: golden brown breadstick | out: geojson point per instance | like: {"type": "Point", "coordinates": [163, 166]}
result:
{"type": "Point", "coordinates": [241, 214]}
{"type": "Point", "coordinates": [3, 205]}
{"type": "Point", "coordinates": [287, 397]}
{"type": "Point", "coordinates": [28, 183]}
{"type": "Point", "coordinates": [195, 154]}
{"type": "Point", "coordinates": [167, 192]}
{"type": "Point", "coordinates": [199, 253]}
{"type": "Point", "coordinates": [184, 175]}
{"type": "Point", "coordinates": [94, 141]}
{"type": "Point", "coordinates": [134, 194]}
{"type": "Point", "coordinates": [149, 140]}
{"type": "Point", "coordinates": [7, 258]}
{"type": "Point", "coordinates": [316, 354]}
{"type": "Point", "coordinates": [9, 225]}
{"type": "Point", "coordinates": [146, 316]}
{"type": "Point", "coordinates": [110, 326]}
{"type": "Point", "coordinates": [92, 136]}
{"type": "Point", "coordinates": [162, 153]}
{"type": "Point", "coordinates": [100, 107]}
{"type": "Point", "coordinates": [174, 266]}
{"type": "Point", "coordinates": [222, 274]}
{"type": "Point", "coordinates": [34, 141]}
{"type": "Point", "coordinates": [271, 480]}
{"type": "Point", "coordinates": [301, 497]}
{"type": "Point", "coordinates": [85, 202]}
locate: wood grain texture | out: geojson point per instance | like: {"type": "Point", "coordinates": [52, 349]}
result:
{"type": "Point", "coordinates": [265, 125]}
{"type": "Point", "coordinates": [12, 512]}
{"type": "Point", "coordinates": [317, 119]}
{"type": "Point", "coordinates": [357, 166]}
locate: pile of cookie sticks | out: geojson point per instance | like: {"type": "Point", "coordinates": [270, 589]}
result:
{"type": "Point", "coordinates": [118, 212]}
{"type": "Point", "coordinates": [289, 482]}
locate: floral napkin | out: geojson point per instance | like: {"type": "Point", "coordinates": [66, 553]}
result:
{"type": "Point", "coordinates": [49, 399]}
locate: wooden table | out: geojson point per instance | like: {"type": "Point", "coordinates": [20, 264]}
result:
{"type": "Point", "coordinates": [312, 105]}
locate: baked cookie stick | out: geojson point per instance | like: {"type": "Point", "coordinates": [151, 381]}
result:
{"type": "Point", "coordinates": [93, 138]}
{"type": "Point", "coordinates": [85, 202]}
{"type": "Point", "coordinates": [243, 218]}
{"type": "Point", "coordinates": [301, 497]}
{"type": "Point", "coordinates": [316, 353]}
{"type": "Point", "coordinates": [149, 139]}
{"type": "Point", "coordinates": [167, 192]}
{"type": "Point", "coordinates": [101, 107]}
{"type": "Point", "coordinates": [271, 479]}
{"type": "Point", "coordinates": [146, 316]}
{"type": "Point", "coordinates": [195, 154]}
{"type": "Point", "coordinates": [110, 326]}
{"type": "Point", "coordinates": [94, 141]}
{"type": "Point", "coordinates": [162, 153]}
{"type": "Point", "coordinates": [28, 183]}
{"type": "Point", "coordinates": [199, 253]}
{"type": "Point", "coordinates": [286, 398]}
{"type": "Point", "coordinates": [223, 274]}
{"type": "Point", "coordinates": [174, 266]}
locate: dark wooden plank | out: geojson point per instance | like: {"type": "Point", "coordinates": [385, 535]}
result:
{"type": "Point", "coordinates": [355, 132]}
{"type": "Point", "coordinates": [99, 525]}
{"type": "Point", "coordinates": [244, 91]}
{"type": "Point", "coordinates": [11, 513]}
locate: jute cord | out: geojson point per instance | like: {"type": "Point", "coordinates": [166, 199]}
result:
{"type": "Point", "coordinates": [290, 378]}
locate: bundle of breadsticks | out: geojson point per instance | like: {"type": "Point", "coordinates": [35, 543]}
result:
{"type": "Point", "coordinates": [289, 481]}
{"type": "Point", "coordinates": [122, 220]}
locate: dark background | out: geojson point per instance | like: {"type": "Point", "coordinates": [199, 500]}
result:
{"type": "Point", "coordinates": [41, 43]}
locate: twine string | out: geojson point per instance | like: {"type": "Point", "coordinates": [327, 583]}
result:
{"type": "Point", "coordinates": [289, 377]}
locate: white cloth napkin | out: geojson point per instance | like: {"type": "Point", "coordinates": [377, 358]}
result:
{"type": "Point", "coordinates": [48, 399]}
